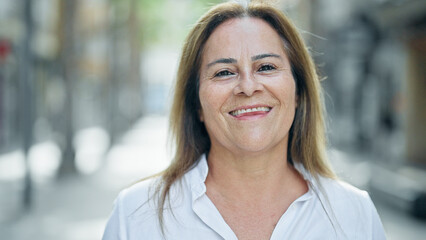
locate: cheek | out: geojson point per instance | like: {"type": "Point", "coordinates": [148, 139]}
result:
{"type": "Point", "coordinates": [291, 92]}
{"type": "Point", "coordinates": [211, 98]}
{"type": "Point", "coordinates": [205, 102]}
{"type": "Point", "coordinates": [285, 92]}
{"type": "Point", "coordinates": [292, 99]}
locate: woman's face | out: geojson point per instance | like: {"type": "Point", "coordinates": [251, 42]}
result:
{"type": "Point", "coordinates": [247, 91]}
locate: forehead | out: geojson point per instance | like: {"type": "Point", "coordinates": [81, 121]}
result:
{"type": "Point", "coordinates": [243, 35]}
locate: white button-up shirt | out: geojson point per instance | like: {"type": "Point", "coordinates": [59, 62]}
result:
{"type": "Point", "coordinates": [330, 209]}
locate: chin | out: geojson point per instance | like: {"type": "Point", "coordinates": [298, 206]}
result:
{"type": "Point", "coordinates": [261, 144]}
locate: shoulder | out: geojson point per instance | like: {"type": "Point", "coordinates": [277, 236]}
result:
{"type": "Point", "coordinates": [334, 191]}
{"type": "Point", "coordinates": [351, 208]}
{"type": "Point", "coordinates": [130, 201]}
{"type": "Point", "coordinates": [338, 190]}
{"type": "Point", "coordinates": [138, 196]}
{"type": "Point", "coordinates": [142, 198]}
{"type": "Point", "coordinates": [345, 199]}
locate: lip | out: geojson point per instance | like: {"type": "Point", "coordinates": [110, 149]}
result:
{"type": "Point", "coordinates": [251, 115]}
{"type": "Point", "coordinates": [250, 106]}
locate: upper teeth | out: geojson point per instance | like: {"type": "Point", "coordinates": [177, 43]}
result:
{"type": "Point", "coordinates": [258, 109]}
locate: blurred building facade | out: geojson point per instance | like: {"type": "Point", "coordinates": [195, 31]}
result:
{"type": "Point", "coordinates": [84, 68]}
{"type": "Point", "coordinates": [371, 53]}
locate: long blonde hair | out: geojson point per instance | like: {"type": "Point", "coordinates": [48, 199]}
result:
{"type": "Point", "coordinates": [306, 136]}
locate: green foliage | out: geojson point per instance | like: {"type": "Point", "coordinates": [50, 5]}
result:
{"type": "Point", "coordinates": [166, 22]}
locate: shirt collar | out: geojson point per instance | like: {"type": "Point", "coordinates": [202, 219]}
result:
{"type": "Point", "coordinates": [314, 182]}
{"type": "Point", "coordinates": [305, 173]}
{"type": "Point", "coordinates": [197, 176]}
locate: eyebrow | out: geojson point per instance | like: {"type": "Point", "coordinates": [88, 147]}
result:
{"type": "Point", "coordinates": [222, 60]}
{"type": "Point", "coordinates": [233, 60]}
{"type": "Point", "coordinates": [265, 55]}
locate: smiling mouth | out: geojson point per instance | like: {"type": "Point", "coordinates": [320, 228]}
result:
{"type": "Point", "coordinates": [250, 111]}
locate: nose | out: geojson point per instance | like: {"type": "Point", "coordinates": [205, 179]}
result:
{"type": "Point", "coordinates": [247, 85]}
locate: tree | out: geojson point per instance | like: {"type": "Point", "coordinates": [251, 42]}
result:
{"type": "Point", "coordinates": [67, 58]}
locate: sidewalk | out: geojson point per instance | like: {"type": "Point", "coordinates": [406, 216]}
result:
{"type": "Point", "coordinates": [78, 207]}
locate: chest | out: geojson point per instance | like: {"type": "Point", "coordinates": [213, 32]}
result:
{"type": "Point", "coordinates": [251, 220]}
{"type": "Point", "coordinates": [248, 225]}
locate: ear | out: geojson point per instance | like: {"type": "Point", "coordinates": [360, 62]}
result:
{"type": "Point", "coordinates": [200, 115]}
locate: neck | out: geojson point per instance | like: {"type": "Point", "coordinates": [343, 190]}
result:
{"type": "Point", "coordinates": [252, 176]}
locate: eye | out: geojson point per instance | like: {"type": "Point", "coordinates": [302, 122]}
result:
{"type": "Point", "coordinates": [223, 73]}
{"type": "Point", "coordinates": [266, 67]}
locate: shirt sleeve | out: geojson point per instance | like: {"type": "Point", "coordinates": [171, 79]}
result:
{"type": "Point", "coordinates": [115, 228]}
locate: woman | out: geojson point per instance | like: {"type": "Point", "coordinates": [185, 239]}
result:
{"type": "Point", "coordinates": [249, 162]}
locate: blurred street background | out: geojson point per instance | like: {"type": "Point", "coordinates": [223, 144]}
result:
{"type": "Point", "coordinates": [86, 86]}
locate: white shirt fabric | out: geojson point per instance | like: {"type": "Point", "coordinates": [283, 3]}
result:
{"type": "Point", "coordinates": [330, 209]}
